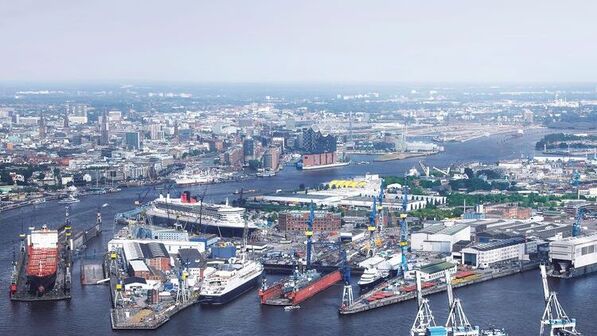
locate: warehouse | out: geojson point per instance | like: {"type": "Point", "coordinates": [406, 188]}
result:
{"type": "Point", "coordinates": [483, 255]}
{"type": "Point", "coordinates": [439, 237]}
{"type": "Point", "coordinates": [437, 270]}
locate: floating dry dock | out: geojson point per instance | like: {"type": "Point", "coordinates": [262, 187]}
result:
{"type": "Point", "coordinates": [379, 297]}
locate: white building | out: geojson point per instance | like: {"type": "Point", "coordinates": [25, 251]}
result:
{"type": "Point", "coordinates": [485, 254]}
{"type": "Point", "coordinates": [437, 270]}
{"type": "Point", "coordinates": [439, 237]}
{"type": "Point", "coordinates": [171, 246]}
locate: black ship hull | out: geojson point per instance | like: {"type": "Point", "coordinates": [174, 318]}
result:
{"type": "Point", "coordinates": [41, 285]}
{"type": "Point", "coordinates": [231, 295]}
{"type": "Point", "coordinates": [369, 286]}
{"type": "Point", "coordinates": [203, 228]}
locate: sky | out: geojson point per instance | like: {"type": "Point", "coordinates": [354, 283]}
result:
{"type": "Point", "coordinates": [341, 41]}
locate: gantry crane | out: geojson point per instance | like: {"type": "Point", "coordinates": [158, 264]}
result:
{"type": "Point", "coordinates": [575, 182]}
{"type": "Point", "coordinates": [424, 322]}
{"type": "Point", "coordinates": [404, 230]}
{"type": "Point", "coordinates": [344, 268]}
{"type": "Point", "coordinates": [577, 226]}
{"type": "Point", "coordinates": [457, 323]}
{"type": "Point", "coordinates": [555, 321]}
{"type": "Point", "coordinates": [380, 199]}
{"type": "Point", "coordinates": [309, 234]}
{"type": "Point", "coordinates": [372, 227]}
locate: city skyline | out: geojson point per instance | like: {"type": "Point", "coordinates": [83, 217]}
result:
{"type": "Point", "coordinates": [271, 42]}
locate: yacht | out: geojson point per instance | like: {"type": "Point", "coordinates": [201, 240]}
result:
{"type": "Point", "coordinates": [69, 200]}
{"type": "Point", "coordinates": [371, 278]}
{"type": "Point", "coordinates": [230, 280]}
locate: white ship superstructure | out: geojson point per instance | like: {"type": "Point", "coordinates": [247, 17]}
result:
{"type": "Point", "coordinates": [230, 281]}
{"type": "Point", "coordinates": [218, 218]}
{"type": "Point", "coordinates": [573, 256]}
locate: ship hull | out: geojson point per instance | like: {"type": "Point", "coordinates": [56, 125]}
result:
{"type": "Point", "coordinates": [274, 295]}
{"type": "Point", "coordinates": [193, 225]}
{"type": "Point", "coordinates": [41, 285]}
{"type": "Point", "coordinates": [368, 286]}
{"type": "Point", "coordinates": [231, 295]}
{"type": "Point", "coordinates": [576, 272]}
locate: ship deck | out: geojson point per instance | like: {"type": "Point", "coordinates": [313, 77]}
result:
{"type": "Point", "coordinates": [59, 292]}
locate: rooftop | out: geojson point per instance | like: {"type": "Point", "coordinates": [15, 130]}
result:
{"type": "Point", "coordinates": [436, 267]}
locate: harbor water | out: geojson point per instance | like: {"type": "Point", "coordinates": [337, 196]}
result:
{"type": "Point", "coordinates": [514, 302]}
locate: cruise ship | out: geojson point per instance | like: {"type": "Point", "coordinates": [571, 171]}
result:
{"type": "Point", "coordinates": [230, 280]}
{"type": "Point", "coordinates": [371, 277]}
{"type": "Point", "coordinates": [573, 256]}
{"type": "Point", "coordinates": [221, 219]}
{"type": "Point", "coordinates": [377, 269]}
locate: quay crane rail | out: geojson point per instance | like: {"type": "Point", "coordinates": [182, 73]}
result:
{"type": "Point", "coordinates": [555, 321]}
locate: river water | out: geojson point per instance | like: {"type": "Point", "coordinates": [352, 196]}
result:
{"type": "Point", "coordinates": [514, 302]}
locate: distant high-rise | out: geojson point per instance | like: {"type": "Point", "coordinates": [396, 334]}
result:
{"type": "Point", "coordinates": [42, 127]}
{"type": "Point", "coordinates": [271, 158]}
{"type": "Point", "coordinates": [132, 140]}
{"type": "Point", "coordinates": [154, 132]}
{"type": "Point", "coordinates": [249, 149]}
{"type": "Point", "coordinates": [104, 132]}
{"type": "Point", "coordinates": [65, 120]}
{"type": "Point", "coordinates": [175, 135]}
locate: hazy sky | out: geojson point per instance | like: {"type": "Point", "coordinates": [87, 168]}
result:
{"type": "Point", "coordinates": [301, 40]}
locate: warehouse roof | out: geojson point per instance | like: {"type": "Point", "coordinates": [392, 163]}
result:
{"type": "Point", "coordinates": [498, 244]}
{"type": "Point", "coordinates": [443, 229]}
{"type": "Point", "coordinates": [437, 267]}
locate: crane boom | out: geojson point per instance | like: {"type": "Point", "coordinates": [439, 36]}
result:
{"type": "Point", "coordinates": [545, 284]}
{"type": "Point", "coordinates": [309, 233]}
{"type": "Point", "coordinates": [404, 230]}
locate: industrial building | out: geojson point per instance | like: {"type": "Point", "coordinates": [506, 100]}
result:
{"type": "Point", "coordinates": [440, 237]}
{"type": "Point", "coordinates": [171, 247]}
{"type": "Point", "coordinates": [574, 256]}
{"type": "Point", "coordinates": [483, 255]}
{"type": "Point", "coordinates": [298, 220]}
{"type": "Point", "coordinates": [437, 270]}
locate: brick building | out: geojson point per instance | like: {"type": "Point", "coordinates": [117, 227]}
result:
{"type": "Point", "coordinates": [509, 211]}
{"type": "Point", "coordinates": [298, 220]}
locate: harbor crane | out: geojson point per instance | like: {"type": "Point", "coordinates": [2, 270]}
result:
{"type": "Point", "coordinates": [309, 234]}
{"type": "Point", "coordinates": [577, 226]}
{"type": "Point", "coordinates": [372, 227]}
{"type": "Point", "coordinates": [347, 295]}
{"type": "Point", "coordinates": [380, 199]}
{"type": "Point", "coordinates": [578, 218]}
{"type": "Point", "coordinates": [424, 322]}
{"type": "Point", "coordinates": [575, 182]}
{"type": "Point", "coordinates": [443, 172]}
{"type": "Point", "coordinates": [457, 323]}
{"type": "Point", "coordinates": [404, 230]}
{"type": "Point", "coordinates": [555, 321]}
{"type": "Point", "coordinates": [425, 169]}
{"type": "Point", "coordinates": [344, 268]}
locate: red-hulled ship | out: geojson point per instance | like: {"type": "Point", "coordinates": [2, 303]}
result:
{"type": "Point", "coordinates": [42, 260]}
{"type": "Point", "coordinates": [297, 288]}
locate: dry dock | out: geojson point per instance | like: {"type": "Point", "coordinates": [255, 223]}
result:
{"type": "Point", "coordinates": [362, 303]}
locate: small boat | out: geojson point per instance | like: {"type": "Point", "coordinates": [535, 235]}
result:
{"type": "Point", "coordinates": [70, 199]}
{"type": "Point", "coordinates": [289, 308]}
{"type": "Point", "coordinates": [494, 332]}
